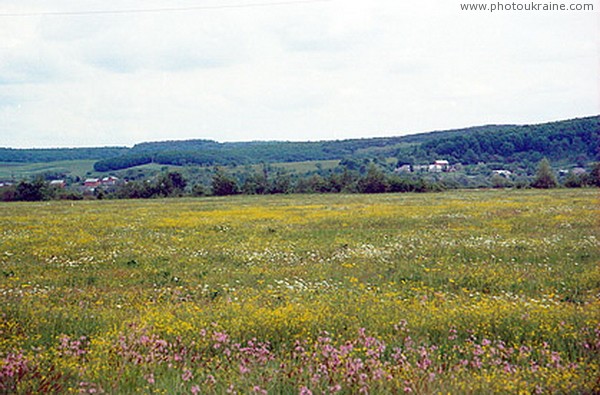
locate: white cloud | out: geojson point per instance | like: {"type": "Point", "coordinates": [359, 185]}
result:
{"type": "Point", "coordinates": [306, 71]}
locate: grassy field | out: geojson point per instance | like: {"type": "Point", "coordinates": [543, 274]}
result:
{"type": "Point", "coordinates": [471, 292]}
{"type": "Point", "coordinates": [85, 168]}
{"type": "Point", "coordinates": [18, 171]}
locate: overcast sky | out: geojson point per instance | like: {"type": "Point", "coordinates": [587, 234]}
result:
{"type": "Point", "coordinates": [307, 71]}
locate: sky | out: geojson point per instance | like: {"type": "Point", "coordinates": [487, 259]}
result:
{"type": "Point", "coordinates": [91, 73]}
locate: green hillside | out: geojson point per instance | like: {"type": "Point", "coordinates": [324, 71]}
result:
{"type": "Point", "coordinates": [54, 169]}
{"type": "Point", "coordinates": [568, 142]}
{"type": "Point", "coordinates": [571, 142]}
{"type": "Point", "coordinates": [37, 155]}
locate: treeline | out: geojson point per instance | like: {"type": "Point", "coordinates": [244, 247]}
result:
{"type": "Point", "coordinates": [280, 182]}
{"type": "Point", "coordinates": [170, 184]}
{"type": "Point", "coordinates": [266, 182]}
{"type": "Point", "coordinates": [344, 181]}
{"type": "Point", "coordinates": [36, 190]}
{"type": "Point", "coordinates": [375, 180]}
{"type": "Point", "coordinates": [59, 154]}
{"type": "Point", "coordinates": [173, 184]}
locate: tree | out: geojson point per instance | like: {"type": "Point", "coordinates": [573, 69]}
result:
{"type": "Point", "coordinates": [574, 181]}
{"type": "Point", "coordinates": [32, 191]}
{"type": "Point", "coordinates": [499, 181]}
{"type": "Point", "coordinates": [282, 183]}
{"type": "Point", "coordinates": [222, 184]}
{"type": "Point", "coordinates": [198, 190]}
{"type": "Point", "coordinates": [594, 178]}
{"type": "Point", "coordinates": [373, 182]}
{"type": "Point", "coordinates": [317, 184]}
{"type": "Point", "coordinates": [544, 177]}
{"type": "Point", "coordinates": [401, 184]}
{"type": "Point", "coordinates": [256, 183]}
{"type": "Point", "coordinates": [170, 184]}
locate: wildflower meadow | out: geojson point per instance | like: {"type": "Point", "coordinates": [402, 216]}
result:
{"type": "Point", "coordinates": [461, 292]}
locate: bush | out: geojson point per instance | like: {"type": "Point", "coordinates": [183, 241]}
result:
{"type": "Point", "coordinates": [544, 177]}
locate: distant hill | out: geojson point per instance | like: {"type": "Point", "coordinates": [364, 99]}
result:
{"type": "Point", "coordinates": [570, 141]}
{"type": "Point", "coordinates": [37, 155]}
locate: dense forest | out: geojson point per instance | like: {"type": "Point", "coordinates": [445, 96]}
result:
{"type": "Point", "coordinates": [210, 153]}
{"type": "Point", "coordinates": [573, 141]}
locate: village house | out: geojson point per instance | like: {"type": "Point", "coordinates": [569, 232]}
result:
{"type": "Point", "coordinates": [434, 168]}
{"type": "Point", "coordinates": [439, 166]}
{"type": "Point", "coordinates": [58, 183]}
{"type": "Point", "coordinates": [443, 163]}
{"type": "Point", "coordinates": [502, 172]}
{"type": "Point", "coordinates": [92, 183]}
{"type": "Point", "coordinates": [110, 180]}
{"type": "Point", "coordinates": [403, 169]}
{"type": "Point", "coordinates": [420, 168]}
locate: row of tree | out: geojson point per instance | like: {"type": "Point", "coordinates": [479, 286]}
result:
{"type": "Point", "coordinates": [373, 180]}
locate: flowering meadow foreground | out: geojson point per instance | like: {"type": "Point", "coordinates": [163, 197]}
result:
{"type": "Point", "coordinates": [464, 292]}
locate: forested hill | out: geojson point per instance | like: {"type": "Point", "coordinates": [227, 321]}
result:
{"type": "Point", "coordinates": [572, 141]}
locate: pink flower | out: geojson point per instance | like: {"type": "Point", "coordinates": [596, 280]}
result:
{"type": "Point", "coordinates": [256, 389]}
{"type": "Point", "coordinates": [305, 391]}
{"type": "Point", "coordinates": [187, 375]}
{"type": "Point", "coordinates": [195, 389]}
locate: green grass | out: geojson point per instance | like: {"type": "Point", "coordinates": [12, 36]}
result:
{"type": "Point", "coordinates": [496, 290]}
{"type": "Point", "coordinates": [17, 171]}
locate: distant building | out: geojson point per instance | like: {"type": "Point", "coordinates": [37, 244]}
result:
{"type": "Point", "coordinates": [420, 168]}
{"type": "Point", "coordinates": [58, 183]}
{"type": "Point", "coordinates": [502, 172]}
{"type": "Point", "coordinates": [403, 169]}
{"type": "Point", "coordinates": [439, 166]}
{"type": "Point", "coordinates": [578, 171]}
{"type": "Point", "coordinates": [92, 183]}
{"type": "Point", "coordinates": [110, 180]}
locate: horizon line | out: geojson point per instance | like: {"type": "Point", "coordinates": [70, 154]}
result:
{"type": "Point", "coordinates": [303, 141]}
